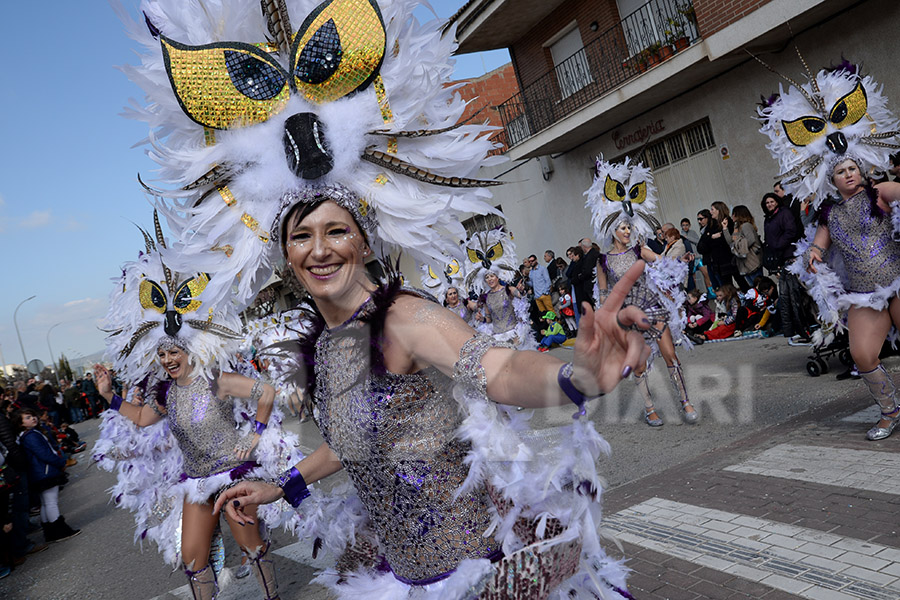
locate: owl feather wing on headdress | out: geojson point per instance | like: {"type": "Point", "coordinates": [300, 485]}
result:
{"type": "Point", "coordinates": [249, 109]}
{"type": "Point", "coordinates": [489, 252]}
{"type": "Point", "coordinates": [622, 192]}
{"type": "Point", "coordinates": [839, 114]}
{"type": "Point", "coordinates": [150, 303]}
{"type": "Point", "coordinates": [437, 281]}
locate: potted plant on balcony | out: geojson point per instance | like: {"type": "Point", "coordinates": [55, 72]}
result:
{"type": "Point", "coordinates": [650, 56]}
{"type": "Point", "coordinates": [676, 36]}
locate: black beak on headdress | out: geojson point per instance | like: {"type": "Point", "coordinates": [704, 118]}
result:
{"type": "Point", "coordinates": [626, 206]}
{"type": "Point", "coordinates": [836, 142]}
{"type": "Point", "coordinates": [306, 147]}
{"type": "Point", "coordinates": [173, 323]}
{"type": "Point", "coordinates": [486, 263]}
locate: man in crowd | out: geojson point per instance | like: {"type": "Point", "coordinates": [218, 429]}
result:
{"type": "Point", "coordinates": [552, 269]}
{"type": "Point", "coordinates": [540, 284]}
{"type": "Point", "coordinates": [583, 276]}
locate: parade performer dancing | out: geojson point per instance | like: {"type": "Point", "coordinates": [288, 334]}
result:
{"type": "Point", "coordinates": [489, 270]}
{"type": "Point", "coordinates": [156, 337]}
{"type": "Point", "coordinates": [829, 136]}
{"type": "Point", "coordinates": [622, 200]}
{"type": "Point", "coordinates": [341, 140]}
{"type": "Point", "coordinates": [447, 492]}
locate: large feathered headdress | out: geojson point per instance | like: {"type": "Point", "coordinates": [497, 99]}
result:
{"type": "Point", "coordinates": [152, 305]}
{"type": "Point", "coordinates": [251, 111]}
{"type": "Point", "coordinates": [438, 280]}
{"type": "Point", "coordinates": [622, 192]}
{"type": "Point", "coordinates": [838, 114]}
{"type": "Point", "coordinates": [489, 252]}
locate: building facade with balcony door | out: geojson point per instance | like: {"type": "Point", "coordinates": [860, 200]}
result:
{"type": "Point", "coordinates": [690, 116]}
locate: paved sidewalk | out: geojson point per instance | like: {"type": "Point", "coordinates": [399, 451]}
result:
{"type": "Point", "coordinates": [805, 509]}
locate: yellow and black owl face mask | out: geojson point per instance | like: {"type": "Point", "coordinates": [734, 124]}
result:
{"type": "Point", "coordinates": [337, 51]}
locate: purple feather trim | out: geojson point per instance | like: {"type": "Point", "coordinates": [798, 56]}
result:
{"type": "Point", "coordinates": [154, 31]}
{"type": "Point", "coordinates": [239, 471]}
{"type": "Point", "coordinates": [845, 65]}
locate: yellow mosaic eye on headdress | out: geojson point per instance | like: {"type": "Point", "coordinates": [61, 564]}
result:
{"type": "Point", "coordinates": [638, 192]}
{"type": "Point", "coordinates": [225, 85]}
{"type": "Point", "coordinates": [613, 190]}
{"type": "Point", "coordinates": [495, 252]}
{"type": "Point", "coordinates": [453, 267]}
{"type": "Point", "coordinates": [186, 297]}
{"type": "Point", "coordinates": [805, 130]}
{"type": "Point", "coordinates": [152, 296]}
{"type": "Point", "coordinates": [851, 108]}
{"type": "Point", "coordinates": [338, 49]}
{"type": "Point", "coordinates": [431, 273]}
{"type": "Point", "coordinates": [474, 255]}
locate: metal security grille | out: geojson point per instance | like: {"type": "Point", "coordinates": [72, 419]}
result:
{"type": "Point", "coordinates": [678, 146]}
{"type": "Point", "coordinates": [484, 222]}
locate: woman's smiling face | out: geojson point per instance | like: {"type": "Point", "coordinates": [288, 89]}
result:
{"type": "Point", "coordinates": [326, 252]}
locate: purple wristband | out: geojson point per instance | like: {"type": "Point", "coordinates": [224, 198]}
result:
{"type": "Point", "coordinates": [294, 487]}
{"type": "Point", "coordinates": [116, 403]}
{"type": "Point", "coordinates": [259, 427]}
{"type": "Point", "coordinates": [564, 379]}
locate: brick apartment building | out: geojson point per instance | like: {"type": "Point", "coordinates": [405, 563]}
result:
{"type": "Point", "coordinates": [668, 80]}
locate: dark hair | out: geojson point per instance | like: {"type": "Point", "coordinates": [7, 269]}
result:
{"type": "Point", "coordinates": [895, 159]}
{"type": "Point", "coordinates": [18, 414]}
{"type": "Point", "coordinates": [685, 220]}
{"type": "Point", "coordinates": [774, 197]}
{"type": "Point", "coordinates": [300, 211]}
{"type": "Point", "coordinates": [577, 251]}
{"type": "Point", "coordinates": [712, 225]}
{"type": "Point", "coordinates": [530, 256]}
{"type": "Point", "coordinates": [741, 214]}
{"type": "Point", "coordinates": [764, 283]}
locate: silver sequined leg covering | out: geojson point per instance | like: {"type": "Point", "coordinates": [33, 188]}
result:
{"type": "Point", "coordinates": [203, 583]}
{"type": "Point", "coordinates": [264, 569]}
{"type": "Point", "coordinates": [676, 374]}
{"type": "Point", "coordinates": [641, 382]}
{"type": "Point", "coordinates": [881, 386]}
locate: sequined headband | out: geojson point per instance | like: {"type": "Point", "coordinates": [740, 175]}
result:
{"type": "Point", "coordinates": [336, 193]}
{"type": "Point", "coordinates": [168, 343]}
{"type": "Point", "coordinates": [837, 159]}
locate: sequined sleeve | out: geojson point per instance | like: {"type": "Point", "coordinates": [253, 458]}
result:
{"type": "Point", "coordinates": [468, 370]}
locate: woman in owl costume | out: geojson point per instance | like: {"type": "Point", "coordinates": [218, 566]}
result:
{"type": "Point", "coordinates": [490, 267]}
{"type": "Point", "coordinates": [622, 200]}
{"type": "Point", "coordinates": [829, 136]}
{"type": "Point", "coordinates": [326, 144]}
{"type": "Point", "coordinates": [445, 284]}
{"type": "Point", "coordinates": [199, 435]}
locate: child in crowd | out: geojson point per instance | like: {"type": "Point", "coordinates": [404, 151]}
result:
{"type": "Point", "coordinates": [566, 310]}
{"type": "Point", "coordinates": [554, 333]}
{"type": "Point", "coordinates": [699, 316]}
{"type": "Point", "coordinates": [69, 440]}
{"type": "Point", "coordinates": [727, 305]}
{"type": "Point", "coordinates": [758, 306]}
{"type": "Point", "coordinates": [46, 472]}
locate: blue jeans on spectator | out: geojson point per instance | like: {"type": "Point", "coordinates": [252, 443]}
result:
{"type": "Point", "coordinates": [77, 415]}
{"type": "Point", "coordinates": [750, 277]}
{"type": "Point", "coordinates": [575, 304]}
{"type": "Point", "coordinates": [549, 340]}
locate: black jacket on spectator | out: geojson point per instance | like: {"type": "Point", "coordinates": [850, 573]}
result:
{"type": "Point", "coordinates": [583, 277]}
{"type": "Point", "coordinates": [716, 252]}
{"type": "Point", "coordinates": [16, 456]}
{"type": "Point", "coordinates": [781, 232]}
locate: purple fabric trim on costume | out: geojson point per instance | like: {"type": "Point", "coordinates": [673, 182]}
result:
{"type": "Point", "coordinates": [637, 250]}
{"type": "Point", "coordinates": [242, 469]}
{"type": "Point", "coordinates": [494, 557]}
{"type": "Point", "coordinates": [603, 264]}
{"type": "Point", "coordinates": [162, 390]}
{"type": "Point", "coordinates": [116, 403]}
{"type": "Point", "coordinates": [259, 427]}
{"type": "Point", "coordinates": [824, 212]}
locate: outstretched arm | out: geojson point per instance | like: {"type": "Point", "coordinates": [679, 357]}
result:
{"type": "Point", "coordinates": [318, 465]}
{"type": "Point", "coordinates": [232, 384]}
{"type": "Point", "coordinates": [139, 415]}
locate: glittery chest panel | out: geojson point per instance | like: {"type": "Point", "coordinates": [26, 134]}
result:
{"type": "Point", "coordinates": [395, 436]}
{"type": "Point", "coordinates": [204, 428]}
{"type": "Point", "coordinates": [640, 294]}
{"type": "Point", "coordinates": [871, 258]}
{"type": "Point", "coordinates": [500, 308]}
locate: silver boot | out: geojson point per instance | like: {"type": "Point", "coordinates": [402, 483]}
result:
{"type": "Point", "coordinates": [881, 386]}
{"type": "Point", "coordinates": [641, 382]}
{"type": "Point", "coordinates": [677, 376]}
{"type": "Point", "coordinates": [203, 583]}
{"type": "Point", "coordinates": [264, 569]}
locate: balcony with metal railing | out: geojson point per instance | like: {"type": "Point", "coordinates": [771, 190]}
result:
{"type": "Point", "coordinates": [652, 34]}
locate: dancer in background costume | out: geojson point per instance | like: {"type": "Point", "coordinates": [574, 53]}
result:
{"type": "Point", "coordinates": [829, 136]}
{"type": "Point", "coordinates": [622, 201]}
{"type": "Point", "coordinates": [156, 339]}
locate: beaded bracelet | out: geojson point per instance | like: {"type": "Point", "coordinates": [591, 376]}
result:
{"type": "Point", "coordinates": [818, 247]}
{"type": "Point", "coordinates": [116, 402]}
{"type": "Point", "coordinates": [259, 427]}
{"type": "Point", "coordinates": [257, 391]}
{"type": "Point", "coordinates": [294, 487]}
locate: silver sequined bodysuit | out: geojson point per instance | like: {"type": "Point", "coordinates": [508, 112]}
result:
{"type": "Point", "coordinates": [203, 425]}
{"type": "Point", "coordinates": [640, 294]}
{"type": "Point", "coordinates": [871, 258]}
{"type": "Point", "coordinates": [499, 306]}
{"type": "Point", "coordinates": [396, 437]}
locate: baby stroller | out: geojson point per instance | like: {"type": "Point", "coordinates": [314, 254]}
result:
{"type": "Point", "coordinates": [818, 365]}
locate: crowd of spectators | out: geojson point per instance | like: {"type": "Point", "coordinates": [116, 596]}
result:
{"type": "Point", "coordinates": [37, 444]}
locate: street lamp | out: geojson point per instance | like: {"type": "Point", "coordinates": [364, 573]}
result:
{"type": "Point", "coordinates": [53, 360]}
{"type": "Point", "coordinates": [16, 323]}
